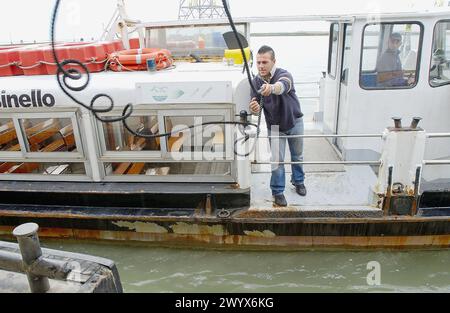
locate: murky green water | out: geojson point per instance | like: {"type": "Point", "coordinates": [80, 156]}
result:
{"type": "Point", "coordinates": [149, 269]}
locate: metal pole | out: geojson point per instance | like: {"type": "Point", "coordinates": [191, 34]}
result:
{"type": "Point", "coordinates": [375, 163]}
{"type": "Point", "coordinates": [30, 249]}
{"type": "Point", "coordinates": [326, 136]}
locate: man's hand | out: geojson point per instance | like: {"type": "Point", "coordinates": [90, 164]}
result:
{"type": "Point", "coordinates": [254, 106]}
{"type": "Point", "coordinates": [266, 90]}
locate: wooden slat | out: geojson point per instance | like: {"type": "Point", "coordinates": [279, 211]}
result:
{"type": "Point", "coordinates": [24, 168]}
{"type": "Point", "coordinates": [45, 131]}
{"type": "Point", "coordinates": [6, 127]}
{"type": "Point", "coordinates": [122, 168]}
{"type": "Point", "coordinates": [8, 135]}
{"type": "Point", "coordinates": [57, 145]}
{"type": "Point", "coordinates": [69, 137]}
{"type": "Point", "coordinates": [5, 167]}
{"type": "Point", "coordinates": [136, 169]}
{"type": "Point", "coordinates": [132, 168]}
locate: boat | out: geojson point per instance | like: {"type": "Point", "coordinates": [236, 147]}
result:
{"type": "Point", "coordinates": [381, 184]}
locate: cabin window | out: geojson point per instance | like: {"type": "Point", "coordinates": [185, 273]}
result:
{"type": "Point", "coordinates": [42, 168]}
{"type": "Point", "coordinates": [119, 139]}
{"type": "Point", "coordinates": [440, 61]}
{"type": "Point", "coordinates": [204, 41]}
{"type": "Point", "coordinates": [49, 134]}
{"type": "Point", "coordinates": [390, 55]}
{"type": "Point", "coordinates": [333, 55]}
{"type": "Point", "coordinates": [8, 136]}
{"type": "Point", "coordinates": [188, 142]}
{"type": "Point", "coordinates": [45, 144]}
{"type": "Point", "coordinates": [204, 152]}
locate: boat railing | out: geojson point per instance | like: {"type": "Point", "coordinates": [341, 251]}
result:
{"type": "Point", "coordinates": [371, 163]}
{"type": "Point", "coordinates": [437, 162]}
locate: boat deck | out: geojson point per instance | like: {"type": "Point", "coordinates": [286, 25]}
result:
{"type": "Point", "coordinates": [333, 190]}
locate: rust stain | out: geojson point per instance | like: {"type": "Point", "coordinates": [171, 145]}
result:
{"type": "Point", "coordinates": [142, 227]}
{"type": "Point", "coordinates": [263, 234]}
{"type": "Point", "coordinates": [196, 229]}
{"type": "Point", "coordinates": [252, 242]}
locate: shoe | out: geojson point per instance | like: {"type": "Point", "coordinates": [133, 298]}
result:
{"type": "Point", "coordinates": [301, 190]}
{"type": "Point", "coordinates": [280, 200]}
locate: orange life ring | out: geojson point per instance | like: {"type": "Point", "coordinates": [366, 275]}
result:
{"type": "Point", "coordinates": [136, 59]}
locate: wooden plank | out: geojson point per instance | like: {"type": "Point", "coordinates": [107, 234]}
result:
{"type": "Point", "coordinates": [136, 169]}
{"type": "Point", "coordinates": [43, 134]}
{"type": "Point", "coordinates": [7, 136]}
{"type": "Point", "coordinates": [57, 145]}
{"type": "Point", "coordinates": [69, 137]}
{"type": "Point", "coordinates": [5, 167]}
{"type": "Point", "coordinates": [122, 169]}
{"type": "Point", "coordinates": [24, 168]}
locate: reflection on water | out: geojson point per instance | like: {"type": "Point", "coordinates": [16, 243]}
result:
{"type": "Point", "coordinates": [159, 270]}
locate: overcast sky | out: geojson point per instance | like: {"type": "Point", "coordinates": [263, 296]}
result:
{"type": "Point", "coordinates": [86, 18]}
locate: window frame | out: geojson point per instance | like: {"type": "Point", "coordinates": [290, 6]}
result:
{"type": "Point", "coordinates": [108, 157]}
{"type": "Point", "coordinates": [24, 153]}
{"type": "Point", "coordinates": [419, 55]}
{"type": "Point", "coordinates": [46, 157]}
{"type": "Point", "coordinates": [330, 51]}
{"type": "Point", "coordinates": [431, 59]}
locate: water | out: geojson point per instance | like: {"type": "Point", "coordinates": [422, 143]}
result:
{"type": "Point", "coordinates": [159, 270]}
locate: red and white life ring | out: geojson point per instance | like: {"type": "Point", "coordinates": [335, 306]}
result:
{"type": "Point", "coordinates": [136, 59]}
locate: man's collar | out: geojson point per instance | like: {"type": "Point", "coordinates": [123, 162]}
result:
{"type": "Point", "coordinates": [272, 73]}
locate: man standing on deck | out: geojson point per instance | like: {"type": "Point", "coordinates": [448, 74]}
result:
{"type": "Point", "coordinates": [283, 118]}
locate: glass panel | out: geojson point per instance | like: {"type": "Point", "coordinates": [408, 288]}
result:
{"type": "Point", "coordinates": [49, 134]}
{"type": "Point", "coordinates": [334, 40]}
{"type": "Point", "coordinates": [440, 62]}
{"type": "Point", "coordinates": [42, 168]}
{"type": "Point", "coordinates": [390, 56]}
{"type": "Point", "coordinates": [8, 136]}
{"type": "Point", "coordinates": [200, 40]}
{"type": "Point", "coordinates": [208, 138]}
{"type": "Point", "coordinates": [119, 139]}
{"type": "Point", "coordinates": [168, 169]}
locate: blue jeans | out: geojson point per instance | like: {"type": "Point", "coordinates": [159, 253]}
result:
{"type": "Point", "coordinates": [278, 149]}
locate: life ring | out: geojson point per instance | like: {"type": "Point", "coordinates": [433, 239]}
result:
{"type": "Point", "coordinates": [136, 59]}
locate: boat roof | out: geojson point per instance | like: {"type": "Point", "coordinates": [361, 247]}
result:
{"type": "Point", "coordinates": [432, 13]}
{"type": "Point", "coordinates": [122, 86]}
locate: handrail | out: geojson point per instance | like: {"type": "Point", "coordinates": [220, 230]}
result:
{"type": "Point", "coordinates": [438, 135]}
{"type": "Point", "coordinates": [326, 136]}
{"type": "Point", "coordinates": [320, 163]}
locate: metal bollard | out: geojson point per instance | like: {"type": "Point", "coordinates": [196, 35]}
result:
{"type": "Point", "coordinates": [415, 122]}
{"type": "Point", "coordinates": [398, 122]}
{"type": "Point", "coordinates": [27, 237]}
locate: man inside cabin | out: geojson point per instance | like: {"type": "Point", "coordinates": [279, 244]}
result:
{"type": "Point", "coordinates": [283, 118]}
{"type": "Point", "coordinates": [389, 66]}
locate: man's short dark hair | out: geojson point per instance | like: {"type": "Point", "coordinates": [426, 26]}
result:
{"type": "Point", "coordinates": [267, 49]}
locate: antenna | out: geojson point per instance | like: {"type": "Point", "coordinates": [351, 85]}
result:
{"type": "Point", "coordinates": [201, 9]}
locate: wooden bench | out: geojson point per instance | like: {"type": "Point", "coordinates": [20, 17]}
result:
{"type": "Point", "coordinates": [128, 168]}
{"type": "Point", "coordinates": [7, 133]}
{"type": "Point", "coordinates": [41, 132]}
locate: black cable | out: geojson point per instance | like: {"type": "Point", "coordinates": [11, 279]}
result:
{"type": "Point", "coordinates": [249, 77]}
{"type": "Point", "coordinates": [76, 69]}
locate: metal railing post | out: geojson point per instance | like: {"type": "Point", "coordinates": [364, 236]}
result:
{"type": "Point", "coordinates": [27, 237]}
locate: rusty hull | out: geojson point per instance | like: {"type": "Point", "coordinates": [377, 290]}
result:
{"type": "Point", "coordinates": [241, 233]}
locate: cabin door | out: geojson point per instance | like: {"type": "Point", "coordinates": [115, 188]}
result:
{"type": "Point", "coordinates": [343, 88]}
